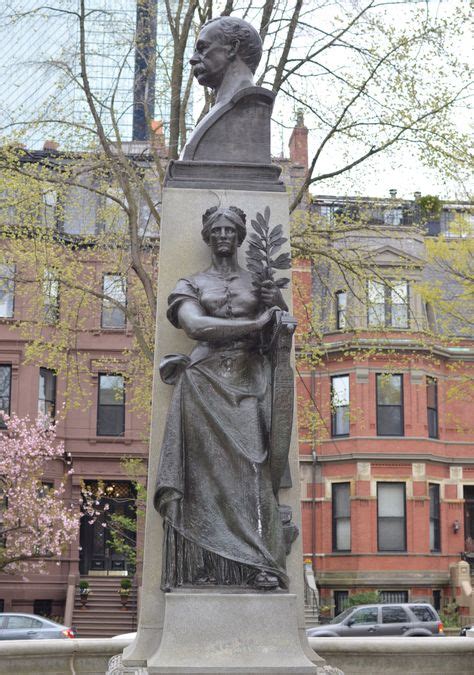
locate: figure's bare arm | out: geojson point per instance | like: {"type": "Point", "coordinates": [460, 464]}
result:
{"type": "Point", "coordinates": [199, 326]}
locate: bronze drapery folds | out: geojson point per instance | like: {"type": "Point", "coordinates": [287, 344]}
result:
{"type": "Point", "coordinates": [226, 439]}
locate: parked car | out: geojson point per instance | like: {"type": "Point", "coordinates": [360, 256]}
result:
{"type": "Point", "coordinates": [32, 627]}
{"type": "Point", "coordinates": [464, 629]}
{"type": "Point", "coordinates": [410, 619]}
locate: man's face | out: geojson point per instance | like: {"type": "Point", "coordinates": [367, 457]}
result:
{"type": "Point", "coordinates": [211, 57]}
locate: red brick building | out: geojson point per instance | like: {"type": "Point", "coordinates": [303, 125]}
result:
{"type": "Point", "coordinates": [387, 468]}
{"type": "Point", "coordinates": [386, 435]}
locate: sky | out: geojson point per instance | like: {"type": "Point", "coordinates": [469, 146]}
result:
{"type": "Point", "coordinates": [26, 86]}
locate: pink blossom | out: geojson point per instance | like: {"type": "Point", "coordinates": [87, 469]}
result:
{"type": "Point", "coordinates": [36, 524]}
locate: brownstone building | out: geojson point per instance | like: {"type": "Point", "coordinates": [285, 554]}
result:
{"type": "Point", "coordinates": [387, 470]}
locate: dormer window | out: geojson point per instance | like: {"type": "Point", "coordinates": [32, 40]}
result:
{"type": "Point", "coordinates": [387, 304]}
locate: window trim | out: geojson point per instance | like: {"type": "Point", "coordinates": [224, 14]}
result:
{"type": "Point", "coordinates": [335, 519]}
{"type": "Point", "coordinates": [10, 367]}
{"type": "Point", "coordinates": [334, 433]}
{"type": "Point", "coordinates": [50, 299]}
{"type": "Point", "coordinates": [12, 267]}
{"type": "Point", "coordinates": [104, 300]}
{"type": "Point", "coordinates": [434, 382]}
{"type": "Point", "coordinates": [383, 405]}
{"type": "Point", "coordinates": [99, 405]}
{"type": "Point", "coordinates": [55, 384]}
{"type": "Point", "coordinates": [388, 288]}
{"type": "Point", "coordinates": [436, 547]}
{"type": "Point", "coordinates": [341, 313]}
{"type": "Point", "coordinates": [404, 517]}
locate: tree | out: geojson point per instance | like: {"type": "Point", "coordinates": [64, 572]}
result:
{"type": "Point", "coordinates": [450, 294]}
{"type": "Point", "coordinates": [36, 524]}
{"type": "Point", "coordinates": [360, 79]}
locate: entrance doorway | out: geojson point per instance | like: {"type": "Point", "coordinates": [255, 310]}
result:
{"type": "Point", "coordinates": [98, 555]}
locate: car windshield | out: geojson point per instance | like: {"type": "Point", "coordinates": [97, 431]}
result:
{"type": "Point", "coordinates": [340, 617]}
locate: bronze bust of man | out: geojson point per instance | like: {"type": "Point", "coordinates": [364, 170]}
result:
{"type": "Point", "coordinates": [237, 128]}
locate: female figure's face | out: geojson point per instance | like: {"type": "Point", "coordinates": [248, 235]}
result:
{"type": "Point", "coordinates": [223, 237]}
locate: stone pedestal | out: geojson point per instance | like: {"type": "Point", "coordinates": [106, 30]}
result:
{"type": "Point", "coordinates": [206, 631]}
{"type": "Point", "coordinates": [230, 633]}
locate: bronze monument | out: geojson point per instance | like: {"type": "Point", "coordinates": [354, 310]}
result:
{"type": "Point", "coordinates": [217, 486]}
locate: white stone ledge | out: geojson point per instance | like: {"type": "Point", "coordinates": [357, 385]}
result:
{"type": "Point", "coordinates": [354, 656]}
{"type": "Point", "coordinates": [58, 657]}
{"type": "Point", "coordinates": [410, 656]}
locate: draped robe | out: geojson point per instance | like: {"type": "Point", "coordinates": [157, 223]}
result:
{"type": "Point", "coordinates": [214, 489]}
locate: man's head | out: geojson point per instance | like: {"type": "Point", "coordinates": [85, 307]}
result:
{"type": "Point", "coordinates": [221, 41]}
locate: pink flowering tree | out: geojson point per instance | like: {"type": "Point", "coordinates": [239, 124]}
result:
{"type": "Point", "coordinates": [36, 522]}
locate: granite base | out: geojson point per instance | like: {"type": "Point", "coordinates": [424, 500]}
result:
{"type": "Point", "coordinates": [229, 633]}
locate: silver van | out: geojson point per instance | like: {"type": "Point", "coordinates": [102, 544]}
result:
{"type": "Point", "coordinates": [411, 619]}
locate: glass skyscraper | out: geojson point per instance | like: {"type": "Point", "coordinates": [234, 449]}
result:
{"type": "Point", "coordinates": [40, 69]}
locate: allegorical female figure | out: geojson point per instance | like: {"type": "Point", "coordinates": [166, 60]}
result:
{"type": "Point", "coordinates": [214, 490]}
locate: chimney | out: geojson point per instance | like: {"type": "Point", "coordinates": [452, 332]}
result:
{"type": "Point", "coordinates": [158, 136]}
{"type": "Point", "coordinates": [50, 145]}
{"type": "Point", "coordinates": [299, 142]}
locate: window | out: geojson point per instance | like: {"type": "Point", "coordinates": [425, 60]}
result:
{"type": "Point", "coordinates": [5, 391]}
{"type": "Point", "coordinates": [341, 306]}
{"type": "Point", "coordinates": [115, 287]}
{"type": "Point", "coordinates": [393, 216]}
{"type": "Point", "coordinates": [391, 528]}
{"type": "Point", "coordinates": [366, 615]}
{"type": "Point", "coordinates": [387, 304]}
{"type": "Point", "coordinates": [50, 200]}
{"type": "Point", "coordinates": [389, 405]}
{"type": "Point", "coordinates": [393, 596]}
{"type": "Point", "coordinates": [340, 601]}
{"type": "Point", "coordinates": [394, 615]}
{"type": "Point", "coordinates": [47, 393]}
{"type": "Point", "coordinates": [327, 212]}
{"type": "Point", "coordinates": [432, 406]}
{"type": "Point", "coordinates": [50, 296]}
{"type": "Point", "coordinates": [43, 608]}
{"type": "Point", "coordinates": [435, 540]}
{"type": "Point", "coordinates": [340, 405]}
{"type": "Point", "coordinates": [44, 489]}
{"type": "Point", "coordinates": [111, 408]}
{"type": "Point", "coordinates": [18, 622]}
{"type": "Point", "coordinates": [341, 517]}
{"type": "Point", "coordinates": [7, 290]}
{"type": "Point", "coordinates": [3, 508]}
{"type": "Point", "coordinates": [436, 599]}
{"type": "Point", "coordinates": [423, 612]}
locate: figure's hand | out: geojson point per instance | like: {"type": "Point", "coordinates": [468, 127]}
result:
{"type": "Point", "coordinates": [266, 316]}
{"type": "Point", "coordinates": [271, 295]}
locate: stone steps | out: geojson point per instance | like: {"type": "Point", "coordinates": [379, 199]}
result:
{"type": "Point", "coordinates": [103, 615]}
{"type": "Point", "coordinates": [311, 617]}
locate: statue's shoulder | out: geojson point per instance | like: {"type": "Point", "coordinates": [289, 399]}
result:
{"type": "Point", "coordinates": [235, 131]}
{"type": "Point", "coordinates": [191, 284]}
